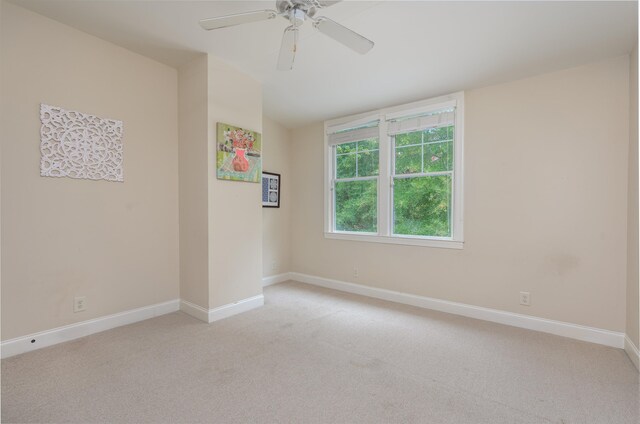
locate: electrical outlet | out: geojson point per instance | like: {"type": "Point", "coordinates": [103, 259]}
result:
{"type": "Point", "coordinates": [79, 303]}
{"type": "Point", "coordinates": [274, 266]}
{"type": "Point", "coordinates": [355, 271]}
{"type": "Point", "coordinates": [525, 298]}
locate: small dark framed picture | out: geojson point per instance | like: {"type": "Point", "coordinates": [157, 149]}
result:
{"type": "Point", "coordinates": [270, 190]}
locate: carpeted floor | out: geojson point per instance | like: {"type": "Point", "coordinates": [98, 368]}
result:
{"type": "Point", "coordinates": [312, 355]}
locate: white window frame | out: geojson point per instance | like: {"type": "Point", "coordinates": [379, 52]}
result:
{"type": "Point", "coordinates": [385, 179]}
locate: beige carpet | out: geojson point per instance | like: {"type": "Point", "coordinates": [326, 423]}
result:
{"type": "Point", "coordinates": [313, 355]}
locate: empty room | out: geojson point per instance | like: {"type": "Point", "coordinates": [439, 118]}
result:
{"type": "Point", "coordinates": [310, 211]}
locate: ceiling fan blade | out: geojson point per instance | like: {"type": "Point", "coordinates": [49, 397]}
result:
{"type": "Point", "coordinates": [321, 4]}
{"type": "Point", "coordinates": [343, 35]}
{"type": "Point", "coordinates": [237, 19]}
{"type": "Point", "coordinates": [288, 49]}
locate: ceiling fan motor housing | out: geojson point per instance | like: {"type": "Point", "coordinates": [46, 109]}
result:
{"type": "Point", "coordinates": [295, 10]}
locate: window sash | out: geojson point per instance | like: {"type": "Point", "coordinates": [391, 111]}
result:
{"type": "Point", "coordinates": [335, 179]}
{"type": "Point", "coordinates": [426, 143]}
{"type": "Point", "coordinates": [355, 153]}
{"type": "Point", "coordinates": [450, 211]}
{"type": "Point", "coordinates": [423, 174]}
{"type": "Point", "coordinates": [394, 176]}
{"type": "Point", "coordinates": [350, 179]}
{"type": "Point", "coordinates": [335, 208]}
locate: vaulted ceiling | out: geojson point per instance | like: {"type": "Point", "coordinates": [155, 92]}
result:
{"type": "Point", "coordinates": [422, 49]}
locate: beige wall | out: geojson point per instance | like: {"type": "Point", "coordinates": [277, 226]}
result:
{"type": "Point", "coordinates": [276, 225]}
{"type": "Point", "coordinates": [633, 297]}
{"type": "Point", "coordinates": [193, 182]}
{"type": "Point", "coordinates": [545, 204]}
{"type": "Point", "coordinates": [115, 243]}
{"type": "Point", "coordinates": [235, 208]}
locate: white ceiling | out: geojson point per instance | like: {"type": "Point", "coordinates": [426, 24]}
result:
{"type": "Point", "coordinates": [423, 48]}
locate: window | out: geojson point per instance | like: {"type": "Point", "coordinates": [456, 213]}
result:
{"type": "Point", "coordinates": [395, 175]}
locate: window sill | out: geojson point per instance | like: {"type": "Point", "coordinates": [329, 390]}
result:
{"type": "Point", "coordinates": [407, 241]}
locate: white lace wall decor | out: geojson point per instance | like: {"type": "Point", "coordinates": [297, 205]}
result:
{"type": "Point", "coordinates": [77, 145]}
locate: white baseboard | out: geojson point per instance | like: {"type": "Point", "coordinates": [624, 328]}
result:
{"type": "Point", "coordinates": [73, 331]}
{"type": "Point", "coordinates": [275, 279]}
{"type": "Point", "coordinates": [70, 332]}
{"type": "Point", "coordinates": [235, 308]}
{"type": "Point", "coordinates": [194, 310]}
{"type": "Point", "coordinates": [221, 312]}
{"type": "Point", "coordinates": [633, 351]}
{"type": "Point", "coordinates": [574, 331]}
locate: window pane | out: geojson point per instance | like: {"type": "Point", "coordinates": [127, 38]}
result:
{"type": "Point", "coordinates": [408, 138]}
{"type": "Point", "coordinates": [369, 144]}
{"type": "Point", "coordinates": [408, 159]}
{"type": "Point", "coordinates": [368, 163]}
{"type": "Point", "coordinates": [422, 206]}
{"type": "Point", "coordinates": [356, 206]}
{"type": "Point", "coordinates": [346, 166]}
{"type": "Point", "coordinates": [438, 134]}
{"type": "Point", "coordinates": [438, 157]}
{"type": "Point", "coordinates": [346, 147]}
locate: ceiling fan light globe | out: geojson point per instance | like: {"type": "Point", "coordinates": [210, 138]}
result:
{"type": "Point", "coordinates": [296, 17]}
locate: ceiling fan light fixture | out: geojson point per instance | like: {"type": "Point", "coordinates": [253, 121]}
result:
{"type": "Point", "coordinates": [296, 17]}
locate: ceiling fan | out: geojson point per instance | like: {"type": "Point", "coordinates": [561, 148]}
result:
{"type": "Point", "coordinates": [296, 12]}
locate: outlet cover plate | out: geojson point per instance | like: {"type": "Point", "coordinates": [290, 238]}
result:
{"type": "Point", "coordinates": [79, 303]}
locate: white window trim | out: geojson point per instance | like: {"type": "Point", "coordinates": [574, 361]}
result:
{"type": "Point", "coordinates": [385, 207]}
